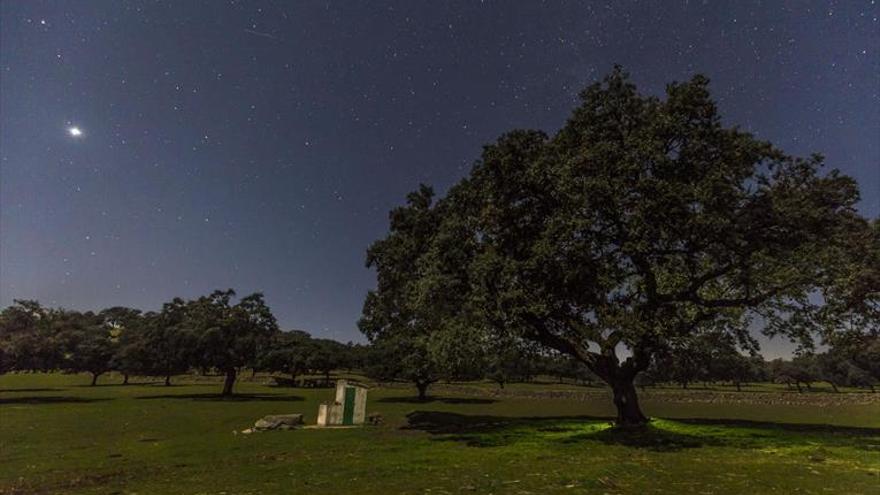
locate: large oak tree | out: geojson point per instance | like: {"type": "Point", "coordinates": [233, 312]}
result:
{"type": "Point", "coordinates": [641, 224]}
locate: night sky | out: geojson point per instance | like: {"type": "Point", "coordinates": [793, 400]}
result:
{"type": "Point", "coordinates": [260, 145]}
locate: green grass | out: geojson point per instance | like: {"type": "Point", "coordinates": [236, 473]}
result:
{"type": "Point", "coordinates": [58, 435]}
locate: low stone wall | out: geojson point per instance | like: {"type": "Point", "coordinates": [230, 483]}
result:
{"type": "Point", "coordinates": [817, 399]}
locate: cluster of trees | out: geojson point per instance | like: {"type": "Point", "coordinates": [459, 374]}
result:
{"type": "Point", "coordinates": [840, 366]}
{"type": "Point", "coordinates": [211, 333]}
{"type": "Point", "coordinates": [641, 231]}
{"type": "Point", "coordinates": [296, 353]}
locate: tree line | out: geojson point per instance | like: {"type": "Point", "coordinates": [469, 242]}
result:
{"type": "Point", "coordinates": [213, 333]}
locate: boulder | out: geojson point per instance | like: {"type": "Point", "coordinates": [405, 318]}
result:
{"type": "Point", "coordinates": [285, 419]}
{"type": "Point", "coordinates": [262, 424]}
{"type": "Point", "coordinates": [279, 422]}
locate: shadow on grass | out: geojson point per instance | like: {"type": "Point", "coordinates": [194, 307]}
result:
{"type": "Point", "coordinates": [48, 399]}
{"type": "Point", "coordinates": [648, 437]}
{"type": "Point", "coordinates": [492, 431]}
{"type": "Point", "coordinates": [444, 400]}
{"type": "Point", "coordinates": [230, 398]}
{"type": "Point", "coordinates": [659, 436]}
{"type": "Point", "coordinates": [29, 390]}
{"type": "Point", "coordinates": [797, 428]}
{"type": "Point", "coordinates": [129, 384]}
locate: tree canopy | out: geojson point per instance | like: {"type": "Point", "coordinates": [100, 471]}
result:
{"type": "Point", "coordinates": [230, 336]}
{"type": "Point", "coordinates": [641, 224]}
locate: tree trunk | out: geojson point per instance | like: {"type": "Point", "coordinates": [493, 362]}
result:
{"type": "Point", "coordinates": [798, 385]}
{"type": "Point", "coordinates": [627, 402]}
{"type": "Point", "coordinates": [834, 386]}
{"type": "Point", "coordinates": [95, 378]}
{"type": "Point", "coordinates": [229, 382]}
{"type": "Point", "coordinates": [167, 380]}
{"type": "Point", "coordinates": [423, 390]}
{"type": "Point", "coordinates": [125, 378]}
{"type": "Point", "coordinates": [738, 387]}
{"type": "Point", "coordinates": [293, 379]}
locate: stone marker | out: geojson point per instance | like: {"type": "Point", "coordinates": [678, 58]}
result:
{"type": "Point", "coordinates": [276, 422]}
{"type": "Point", "coordinates": [349, 408]}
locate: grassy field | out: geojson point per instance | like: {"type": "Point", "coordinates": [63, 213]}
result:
{"type": "Point", "coordinates": [58, 435]}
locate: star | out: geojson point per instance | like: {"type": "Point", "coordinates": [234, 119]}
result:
{"type": "Point", "coordinates": [75, 131]}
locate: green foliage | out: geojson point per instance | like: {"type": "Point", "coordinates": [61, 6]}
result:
{"type": "Point", "coordinates": [396, 320]}
{"type": "Point", "coordinates": [800, 370]}
{"type": "Point", "coordinates": [326, 355]}
{"type": "Point", "coordinates": [87, 341]}
{"type": "Point", "coordinates": [290, 354]}
{"type": "Point", "coordinates": [230, 336]}
{"type": "Point", "coordinates": [167, 346]}
{"type": "Point", "coordinates": [642, 223]}
{"type": "Point", "coordinates": [126, 327]}
{"type": "Point", "coordinates": [28, 337]}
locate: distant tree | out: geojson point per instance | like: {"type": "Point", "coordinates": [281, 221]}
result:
{"type": "Point", "coordinates": [130, 355]}
{"type": "Point", "coordinates": [126, 329]}
{"type": "Point", "coordinates": [800, 370]}
{"type": "Point", "coordinates": [325, 356]}
{"type": "Point", "coordinates": [355, 356]}
{"type": "Point", "coordinates": [169, 344]}
{"type": "Point", "coordinates": [781, 372]}
{"type": "Point", "coordinates": [760, 371]}
{"type": "Point", "coordinates": [858, 377]}
{"type": "Point", "coordinates": [401, 358]}
{"type": "Point", "coordinates": [397, 322]}
{"type": "Point", "coordinates": [867, 357]}
{"type": "Point", "coordinates": [28, 338]}
{"type": "Point", "coordinates": [89, 345]}
{"type": "Point", "coordinates": [730, 365]}
{"type": "Point", "coordinates": [834, 368]}
{"type": "Point", "coordinates": [724, 361]}
{"type": "Point", "coordinates": [230, 336]}
{"type": "Point", "coordinates": [851, 361]}
{"type": "Point", "coordinates": [290, 353]}
{"type": "Point", "coordinates": [684, 366]}
{"type": "Point", "coordinates": [638, 225]}
{"type": "Point", "coordinates": [509, 361]}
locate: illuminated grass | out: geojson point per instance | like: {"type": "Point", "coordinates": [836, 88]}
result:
{"type": "Point", "coordinates": [57, 436]}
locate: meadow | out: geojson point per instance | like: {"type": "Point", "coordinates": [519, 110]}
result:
{"type": "Point", "coordinates": [59, 435]}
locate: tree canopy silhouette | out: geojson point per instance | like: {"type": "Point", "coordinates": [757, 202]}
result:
{"type": "Point", "coordinates": [641, 224]}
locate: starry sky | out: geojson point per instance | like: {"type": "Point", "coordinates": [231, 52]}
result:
{"type": "Point", "coordinates": [260, 145]}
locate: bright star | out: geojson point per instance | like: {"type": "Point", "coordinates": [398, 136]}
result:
{"type": "Point", "coordinates": [74, 131]}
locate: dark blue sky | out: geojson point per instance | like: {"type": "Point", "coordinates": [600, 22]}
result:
{"type": "Point", "coordinates": [260, 145]}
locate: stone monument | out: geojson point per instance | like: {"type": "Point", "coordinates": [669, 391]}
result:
{"type": "Point", "coordinates": [349, 408]}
